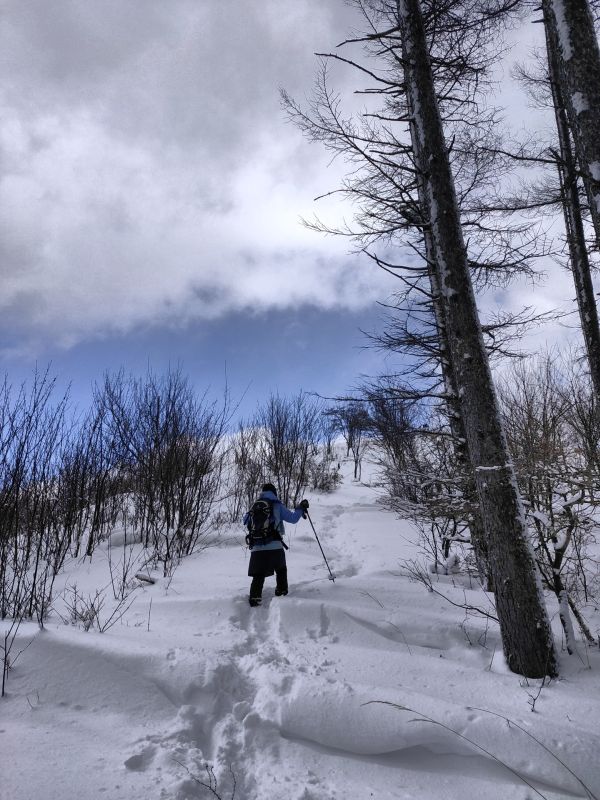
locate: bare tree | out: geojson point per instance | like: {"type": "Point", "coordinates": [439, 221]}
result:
{"type": "Point", "coordinates": [575, 234]}
{"type": "Point", "coordinates": [555, 480]}
{"type": "Point", "coordinates": [352, 422]}
{"type": "Point", "coordinates": [573, 47]}
{"type": "Point", "coordinates": [547, 89]}
{"type": "Point", "coordinates": [526, 633]}
{"type": "Point", "coordinates": [411, 186]}
{"type": "Point", "coordinates": [148, 454]}
{"type": "Point", "coordinates": [388, 189]}
{"type": "Point", "coordinates": [33, 543]}
{"type": "Point", "coordinates": [168, 447]}
{"type": "Point", "coordinates": [246, 470]}
{"type": "Point", "coordinates": [291, 432]}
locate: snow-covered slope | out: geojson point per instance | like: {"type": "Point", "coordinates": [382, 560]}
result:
{"type": "Point", "coordinates": [369, 687]}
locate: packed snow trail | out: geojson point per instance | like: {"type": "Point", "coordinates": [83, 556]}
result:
{"type": "Point", "coordinates": [304, 698]}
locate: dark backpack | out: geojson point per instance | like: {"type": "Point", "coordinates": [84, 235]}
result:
{"type": "Point", "coordinates": [261, 524]}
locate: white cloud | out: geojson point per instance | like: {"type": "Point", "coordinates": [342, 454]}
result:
{"type": "Point", "coordinates": [148, 174]}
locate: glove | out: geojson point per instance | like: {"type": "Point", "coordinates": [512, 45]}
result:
{"type": "Point", "coordinates": [303, 504]}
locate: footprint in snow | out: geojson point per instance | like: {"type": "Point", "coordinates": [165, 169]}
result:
{"type": "Point", "coordinates": [141, 761]}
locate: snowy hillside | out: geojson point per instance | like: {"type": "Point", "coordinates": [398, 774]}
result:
{"type": "Point", "coordinates": [369, 687]}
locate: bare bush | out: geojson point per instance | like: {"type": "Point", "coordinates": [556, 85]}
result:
{"type": "Point", "coordinates": [325, 473]}
{"type": "Point", "coordinates": [291, 433]}
{"type": "Point", "coordinates": [550, 430]}
{"type": "Point", "coordinates": [148, 457]}
{"type": "Point", "coordinates": [86, 611]}
{"type": "Point", "coordinates": [420, 470]}
{"type": "Point", "coordinates": [169, 450]}
{"type": "Point", "coordinates": [33, 543]}
{"type": "Point", "coordinates": [8, 658]}
{"type": "Point", "coordinates": [287, 442]}
{"type": "Point", "coordinates": [123, 568]}
{"type": "Point", "coordinates": [351, 420]}
{"type": "Point", "coordinates": [246, 471]}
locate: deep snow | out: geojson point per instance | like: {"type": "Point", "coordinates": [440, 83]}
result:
{"type": "Point", "coordinates": [340, 691]}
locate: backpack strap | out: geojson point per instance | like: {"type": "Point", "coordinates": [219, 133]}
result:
{"type": "Point", "coordinates": [277, 537]}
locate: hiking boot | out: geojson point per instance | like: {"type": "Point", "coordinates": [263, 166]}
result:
{"type": "Point", "coordinates": [280, 592]}
{"type": "Point", "coordinates": [255, 601]}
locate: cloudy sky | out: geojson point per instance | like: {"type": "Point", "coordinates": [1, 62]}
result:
{"type": "Point", "coordinates": [151, 190]}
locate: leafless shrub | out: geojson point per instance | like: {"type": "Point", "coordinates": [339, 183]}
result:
{"type": "Point", "coordinates": [33, 543]}
{"type": "Point", "coordinates": [246, 470]}
{"type": "Point", "coordinates": [123, 569]}
{"type": "Point", "coordinates": [291, 433]}
{"type": "Point", "coordinates": [9, 658]}
{"type": "Point", "coordinates": [88, 481]}
{"type": "Point", "coordinates": [287, 442]}
{"type": "Point", "coordinates": [325, 474]}
{"type": "Point", "coordinates": [86, 611]}
{"type": "Point", "coordinates": [351, 419]}
{"type": "Point", "coordinates": [82, 611]}
{"type": "Point", "coordinates": [418, 466]}
{"type": "Point", "coordinates": [416, 572]}
{"type": "Point", "coordinates": [170, 455]}
{"type": "Point", "coordinates": [147, 456]}
{"type": "Point", "coordinates": [551, 429]}
{"type": "Point", "coordinates": [211, 783]}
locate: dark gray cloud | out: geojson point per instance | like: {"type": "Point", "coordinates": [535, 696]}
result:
{"type": "Point", "coordinates": [148, 175]}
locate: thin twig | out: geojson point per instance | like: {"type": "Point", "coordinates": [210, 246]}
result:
{"type": "Point", "coordinates": [591, 795]}
{"type": "Point", "coordinates": [425, 718]}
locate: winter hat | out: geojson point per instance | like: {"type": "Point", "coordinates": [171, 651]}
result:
{"type": "Point", "coordinates": [268, 487]}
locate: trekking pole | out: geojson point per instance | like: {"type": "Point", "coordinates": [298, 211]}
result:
{"type": "Point", "coordinates": [331, 576]}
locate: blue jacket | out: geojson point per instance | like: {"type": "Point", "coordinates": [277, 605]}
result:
{"type": "Point", "coordinates": [281, 514]}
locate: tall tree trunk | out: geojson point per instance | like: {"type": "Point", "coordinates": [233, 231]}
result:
{"type": "Point", "coordinates": [524, 624]}
{"type": "Point", "coordinates": [580, 264]}
{"type": "Point", "coordinates": [457, 428]}
{"type": "Point", "coordinates": [571, 33]}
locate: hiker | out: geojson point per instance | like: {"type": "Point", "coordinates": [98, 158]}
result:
{"type": "Point", "coordinates": [267, 549]}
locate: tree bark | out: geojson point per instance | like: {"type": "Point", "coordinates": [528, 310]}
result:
{"type": "Point", "coordinates": [525, 628]}
{"type": "Point", "coordinates": [580, 263]}
{"type": "Point", "coordinates": [571, 32]}
{"type": "Point", "coordinates": [457, 428]}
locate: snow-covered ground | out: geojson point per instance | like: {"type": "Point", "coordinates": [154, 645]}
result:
{"type": "Point", "coordinates": [369, 687]}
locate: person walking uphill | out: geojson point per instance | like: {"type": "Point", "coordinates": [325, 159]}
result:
{"type": "Point", "coordinates": [265, 540]}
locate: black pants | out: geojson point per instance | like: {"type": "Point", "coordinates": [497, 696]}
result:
{"type": "Point", "coordinates": [258, 582]}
